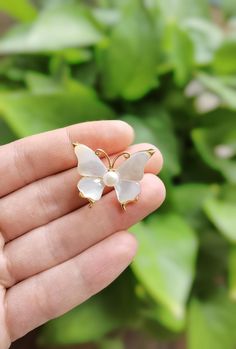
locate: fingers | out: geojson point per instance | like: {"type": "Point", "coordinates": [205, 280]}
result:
{"type": "Point", "coordinates": [50, 198]}
{"type": "Point", "coordinates": [4, 336]}
{"type": "Point", "coordinates": [69, 235]}
{"type": "Point", "coordinates": [55, 291]}
{"type": "Point", "coordinates": [35, 157]}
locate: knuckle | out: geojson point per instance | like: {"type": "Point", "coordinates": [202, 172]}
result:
{"type": "Point", "coordinates": [22, 161]}
{"type": "Point", "coordinates": [7, 278]}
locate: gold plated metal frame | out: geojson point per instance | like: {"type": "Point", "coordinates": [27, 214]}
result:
{"type": "Point", "coordinates": [91, 201]}
{"type": "Point", "coordinates": [111, 163]}
{"type": "Point", "coordinates": [124, 204]}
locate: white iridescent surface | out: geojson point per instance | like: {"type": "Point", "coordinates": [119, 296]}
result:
{"type": "Point", "coordinates": [91, 188]}
{"type": "Point", "coordinates": [127, 191]}
{"type": "Point", "coordinates": [133, 168]}
{"type": "Point", "coordinates": [95, 176]}
{"type": "Point", "coordinates": [89, 163]}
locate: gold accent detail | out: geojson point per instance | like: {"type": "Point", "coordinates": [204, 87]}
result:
{"type": "Point", "coordinates": [125, 154]}
{"type": "Point", "coordinates": [124, 204]}
{"type": "Point", "coordinates": [75, 144]}
{"type": "Point", "coordinates": [91, 201]}
{"type": "Point", "coordinates": [100, 152]}
{"type": "Point", "coordinates": [151, 151]}
{"type": "Point", "coordinates": [111, 163]}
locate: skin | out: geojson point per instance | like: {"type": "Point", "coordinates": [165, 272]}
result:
{"type": "Point", "coordinates": [55, 251]}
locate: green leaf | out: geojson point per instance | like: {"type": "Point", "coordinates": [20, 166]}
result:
{"type": "Point", "coordinates": [153, 124]}
{"type": "Point", "coordinates": [212, 261]}
{"type": "Point", "coordinates": [226, 93]}
{"type": "Point", "coordinates": [72, 56]}
{"type": "Point", "coordinates": [212, 324]}
{"type": "Point", "coordinates": [6, 134]}
{"type": "Point", "coordinates": [232, 273]}
{"type": "Point", "coordinates": [143, 133]}
{"type": "Point", "coordinates": [22, 10]}
{"type": "Point", "coordinates": [165, 262]}
{"type": "Point", "coordinates": [179, 9]}
{"type": "Point", "coordinates": [61, 27]}
{"type": "Point", "coordinates": [88, 322]}
{"type": "Point", "coordinates": [225, 57]}
{"type": "Point", "coordinates": [160, 122]}
{"type": "Point", "coordinates": [180, 52]}
{"type": "Point", "coordinates": [206, 37]}
{"type": "Point", "coordinates": [215, 141]}
{"type": "Point", "coordinates": [111, 343]}
{"type": "Point", "coordinates": [39, 83]}
{"type": "Point", "coordinates": [29, 113]}
{"type": "Point", "coordinates": [229, 7]}
{"type": "Point", "coordinates": [128, 61]}
{"type": "Point", "coordinates": [162, 315]}
{"type": "Point", "coordinates": [188, 200]}
{"type": "Point", "coordinates": [223, 215]}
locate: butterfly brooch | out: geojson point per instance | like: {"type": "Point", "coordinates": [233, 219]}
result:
{"type": "Point", "coordinates": [96, 176]}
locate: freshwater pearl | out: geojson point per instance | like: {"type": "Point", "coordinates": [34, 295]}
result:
{"type": "Point", "coordinates": [111, 178]}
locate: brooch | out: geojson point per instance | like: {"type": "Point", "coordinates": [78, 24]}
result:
{"type": "Point", "coordinates": [124, 179]}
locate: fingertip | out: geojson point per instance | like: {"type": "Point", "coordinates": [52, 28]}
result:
{"type": "Point", "coordinates": [127, 129]}
{"type": "Point", "coordinates": [158, 157]}
{"type": "Point", "coordinates": [128, 245]}
{"type": "Point", "coordinates": [156, 162]}
{"type": "Point", "coordinates": [154, 191]}
{"type": "Point", "coordinates": [161, 190]}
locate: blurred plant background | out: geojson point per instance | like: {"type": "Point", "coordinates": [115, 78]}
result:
{"type": "Point", "coordinates": [169, 68]}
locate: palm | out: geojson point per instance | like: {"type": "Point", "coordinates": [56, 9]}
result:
{"type": "Point", "coordinates": [55, 251]}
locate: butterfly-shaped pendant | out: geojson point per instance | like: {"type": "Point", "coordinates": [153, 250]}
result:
{"type": "Point", "coordinates": [95, 175]}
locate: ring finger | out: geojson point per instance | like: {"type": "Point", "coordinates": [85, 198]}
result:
{"type": "Point", "coordinates": [69, 235]}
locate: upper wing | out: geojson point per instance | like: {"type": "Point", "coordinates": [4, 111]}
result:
{"type": "Point", "coordinates": [133, 168]}
{"type": "Point", "coordinates": [89, 163]}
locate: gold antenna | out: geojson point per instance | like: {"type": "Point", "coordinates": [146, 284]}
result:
{"type": "Point", "coordinates": [125, 154]}
{"type": "Point", "coordinates": [100, 152]}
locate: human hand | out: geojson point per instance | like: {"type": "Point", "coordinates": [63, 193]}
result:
{"type": "Point", "coordinates": [56, 252]}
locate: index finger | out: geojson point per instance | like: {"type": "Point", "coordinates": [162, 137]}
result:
{"type": "Point", "coordinates": [39, 156]}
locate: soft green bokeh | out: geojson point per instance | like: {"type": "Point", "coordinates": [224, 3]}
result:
{"type": "Point", "coordinates": [168, 67]}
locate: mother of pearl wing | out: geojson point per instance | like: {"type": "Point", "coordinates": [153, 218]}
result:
{"type": "Point", "coordinates": [127, 191]}
{"type": "Point", "coordinates": [89, 163]}
{"type": "Point", "coordinates": [91, 188]}
{"type": "Point", "coordinates": [133, 168]}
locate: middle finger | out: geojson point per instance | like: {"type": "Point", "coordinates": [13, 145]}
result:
{"type": "Point", "coordinates": [69, 235]}
{"type": "Point", "coordinates": [50, 198]}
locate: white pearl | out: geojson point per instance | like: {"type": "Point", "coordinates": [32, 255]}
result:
{"type": "Point", "coordinates": [111, 178]}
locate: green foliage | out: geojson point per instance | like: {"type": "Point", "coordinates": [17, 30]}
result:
{"type": "Point", "coordinates": [50, 108]}
{"type": "Point", "coordinates": [77, 325]}
{"type": "Point", "coordinates": [128, 61]}
{"type": "Point", "coordinates": [22, 9]}
{"type": "Point", "coordinates": [167, 247]}
{"type": "Point", "coordinates": [168, 67]}
{"type": "Point", "coordinates": [64, 26]}
{"type": "Point", "coordinates": [212, 323]}
{"type": "Point", "coordinates": [222, 213]}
